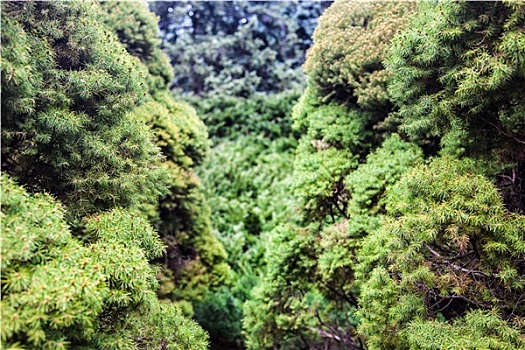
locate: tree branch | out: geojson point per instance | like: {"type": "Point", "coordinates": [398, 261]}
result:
{"type": "Point", "coordinates": [457, 267]}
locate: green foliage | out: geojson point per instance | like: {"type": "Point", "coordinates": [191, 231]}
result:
{"type": "Point", "coordinates": [452, 249]}
{"type": "Point", "coordinates": [342, 114]}
{"type": "Point", "coordinates": [366, 188]}
{"type": "Point", "coordinates": [477, 330]}
{"type": "Point", "coordinates": [221, 312]}
{"type": "Point", "coordinates": [282, 294]}
{"type": "Point", "coordinates": [383, 167]}
{"type": "Point", "coordinates": [237, 48]}
{"type": "Point", "coordinates": [230, 117]}
{"type": "Point", "coordinates": [248, 188]}
{"type": "Point", "coordinates": [459, 68]}
{"type": "Point", "coordinates": [345, 64]}
{"type": "Point", "coordinates": [460, 80]}
{"type": "Point", "coordinates": [413, 256]}
{"type": "Point", "coordinates": [59, 293]}
{"type": "Point", "coordinates": [348, 156]}
{"type": "Point", "coordinates": [194, 138]}
{"type": "Point", "coordinates": [49, 283]}
{"type": "Point", "coordinates": [67, 86]}
{"type": "Point", "coordinates": [137, 30]}
{"type": "Point", "coordinates": [247, 182]}
{"type": "Point", "coordinates": [194, 259]}
{"type": "Point", "coordinates": [74, 111]}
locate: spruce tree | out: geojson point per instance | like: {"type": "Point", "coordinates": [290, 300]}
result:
{"type": "Point", "coordinates": [237, 48]}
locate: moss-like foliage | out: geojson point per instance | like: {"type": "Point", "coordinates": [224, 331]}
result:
{"type": "Point", "coordinates": [230, 117]}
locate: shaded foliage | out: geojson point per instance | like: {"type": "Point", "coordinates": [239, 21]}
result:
{"type": "Point", "coordinates": [247, 181]}
{"type": "Point", "coordinates": [237, 48]}
{"type": "Point", "coordinates": [194, 258]}
{"type": "Point", "coordinates": [230, 117]}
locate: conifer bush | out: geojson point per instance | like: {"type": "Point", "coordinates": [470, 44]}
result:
{"type": "Point", "coordinates": [137, 29]}
{"type": "Point", "coordinates": [194, 260]}
{"type": "Point", "coordinates": [67, 86]}
{"type": "Point", "coordinates": [339, 180]}
{"type": "Point", "coordinates": [76, 269]}
{"type": "Point", "coordinates": [59, 293]}
{"type": "Point", "coordinates": [450, 255]}
{"type": "Point", "coordinates": [403, 252]}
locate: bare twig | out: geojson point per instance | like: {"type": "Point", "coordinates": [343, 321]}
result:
{"type": "Point", "coordinates": [457, 267]}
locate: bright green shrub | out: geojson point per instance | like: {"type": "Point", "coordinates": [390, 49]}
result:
{"type": "Point", "coordinates": [451, 248]}
{"type": "Point", "coordinates": [383, 168]}
{"type": "Point", "coordinates": [52, 291]}
{"type": "Point", "coordinates": [342, 114]}
{"type": "Point", "coordinates": [74, 118]}
{"type": "Point", "coordinates": [477, 330]}
{"type": "Point", "coordinates": [346, 159]}
{"type": "Point", "coordinates": [58, 293]}
{"type": "Point", "coordinates": [366, 186]}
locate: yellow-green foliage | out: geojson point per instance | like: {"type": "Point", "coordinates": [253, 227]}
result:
{"type": "Point", "coordinates": [412, 254]}
{"type": "Point", "coordinates": [195, 256]}
{"type": "Point", "coordinates": [350, 43]}
{"type": "Point", "coordinates": [477, 330]}
{"type": "Point", "coordinates": [366, 188]}
{"type": "Point", "coordinates": [49, 282]}
{"type": "Point", "coordinates": [342, 112]}
{"type": "Point", "coordinates": [59, 293]}
{"type": "Point", "coordinates": [450, 248]}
